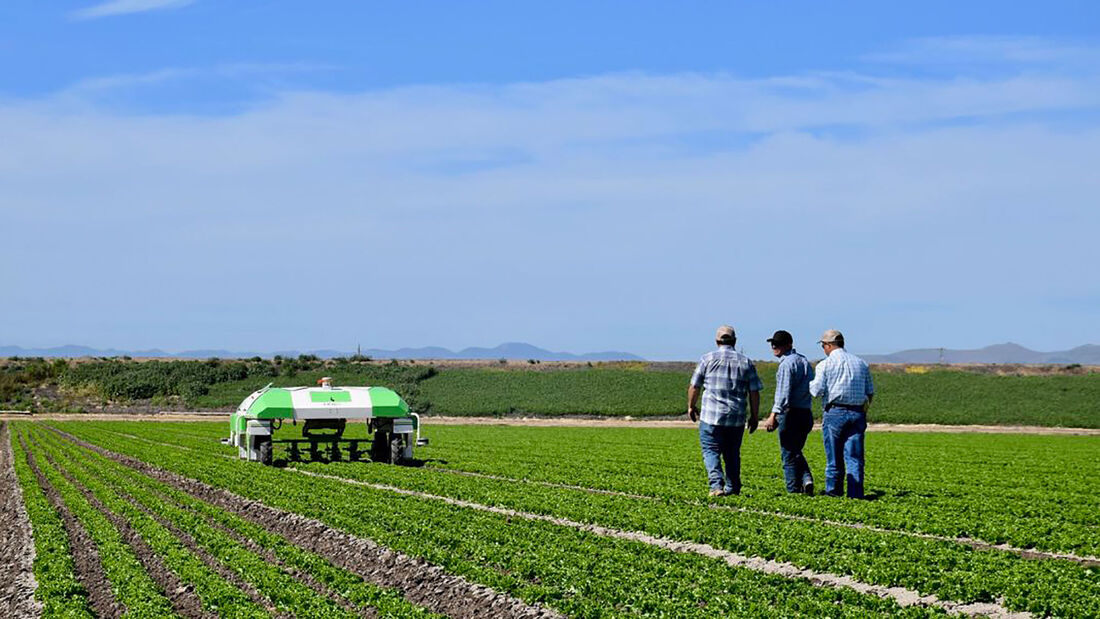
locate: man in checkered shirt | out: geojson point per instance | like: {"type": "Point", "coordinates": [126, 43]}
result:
{"type": "Point", "coordinates": [843, 381]}
{"type": "Point", "coordinates": [728, 379]}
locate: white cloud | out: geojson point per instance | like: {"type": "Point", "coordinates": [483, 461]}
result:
{"type": "Point", "coordinates": [564, 209]}
{"type": "Point", "coordinates": [124, 7]}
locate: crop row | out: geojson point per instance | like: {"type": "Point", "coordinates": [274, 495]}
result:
{"type": "Point", "coordinates": [184, 510]}
{"type": "Point", "coordinates": [133, 588]}
{"type": "Point", "coordinates": [59, 590]}
{"type": "Point", "coordinates": [995, 488]}
{"type": "Point", "coordinates": [950, 570]}
{"type": "Point", "coordinates": [577, 572]}
{"type": "Point", "coordinates": [202, 545]}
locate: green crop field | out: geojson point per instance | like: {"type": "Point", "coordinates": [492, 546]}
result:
{"type": "Point", "coordinates": [549, 522]}
{"type": "Point", "coordinates": [1066, 397]}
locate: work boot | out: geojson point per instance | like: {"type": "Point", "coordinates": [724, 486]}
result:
{"type": "Point", "coordinates": [808, 488]}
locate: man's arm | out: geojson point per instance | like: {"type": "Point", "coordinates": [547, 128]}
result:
{"type": "Point", "coordinates": [869, 388]}
{"type": "Point", "coordinates": [693, 403]}
{"type": "Point", "coordinates": [697, 378]}
{"type": "Point", "coordinates": [817, 385]}
{"type": "Point", "coordinates": [782, 395]}
{"type": "Point", "coordinates": [754, 410]}
{"type": "Point", "coordinates": [755, 385]}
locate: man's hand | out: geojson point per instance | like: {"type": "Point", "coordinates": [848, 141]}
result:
{"type": "Point", "coordinates": [753, 422]}
{"type": "Point", "coordinates": [693, 413]}
{"type": "Point", "coordinates": [770, 424]}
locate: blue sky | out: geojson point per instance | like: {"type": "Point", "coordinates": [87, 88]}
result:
{"type": "Point", "coordinates": [580, 176]}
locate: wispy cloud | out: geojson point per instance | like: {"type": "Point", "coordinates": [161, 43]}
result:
{"type": "Point", "coordinates": [970, 52]}
{"type": "Point", "coordinates": [240, 70]}
{"type": "Point", "coordinates": [123, 7]}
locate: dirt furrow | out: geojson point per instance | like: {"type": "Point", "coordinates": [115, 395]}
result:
{"type": "Point", "coordinates": [418, 581]}
{"type": "Point", "coordinates": [1026, 553]}
{"type": "Point", "coordinates": [271, 558]}
{"type": "Point", "coordinates": [183, 598]}
{"type": "Point", "coordinates": [86, 560]}
{"type": "Point", "coordinates": [900, 595]}
{"type": "Point", "coordinates": [17, 582]}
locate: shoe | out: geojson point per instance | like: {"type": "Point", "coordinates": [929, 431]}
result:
{"type": "Point", "coordinates": [808, 488]}
{"type": "Point", "coordinates": [717, 492]}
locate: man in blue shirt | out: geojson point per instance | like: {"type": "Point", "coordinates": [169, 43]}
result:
{"type": "Point", "coordinates": [791, 413]}
{"type": "Point", "coordinates": [844, 384]}
{"type": "Point", "coordinates": [728, 379]}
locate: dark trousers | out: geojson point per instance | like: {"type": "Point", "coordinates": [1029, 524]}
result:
{"type": "Point", "coordinates": [794, 426]}
{"type": "Point", "coordinates": [842, 431]}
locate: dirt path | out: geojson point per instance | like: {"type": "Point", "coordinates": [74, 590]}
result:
{"type": "Point", "coordinates": [420, 582]}
{"type": "Point", "coordinates": [17, 582]}
{"type": "Point", "coordinates": [563, 422]}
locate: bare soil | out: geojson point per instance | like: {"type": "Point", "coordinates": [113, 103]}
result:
{"type": "Point", "coordinates": [419, 581]}
{"type": "Point", "coordinates": [17, 582]}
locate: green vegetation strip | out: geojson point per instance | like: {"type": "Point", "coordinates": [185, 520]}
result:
{"type": "Point", "coordinates": [1070, 398]}
{"type": "Point", "coordinates": [574, 571]}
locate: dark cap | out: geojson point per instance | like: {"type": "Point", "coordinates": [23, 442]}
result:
{"type": "Point", "coordinates": [781, 338]}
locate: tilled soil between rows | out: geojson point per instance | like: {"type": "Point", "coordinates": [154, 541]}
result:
{"type": "Point", "coordinates": [420, 582]}
{"type": "Point", "coordinates": [89, 567]}
{"type": "Point", "coordinates": [17, 582]}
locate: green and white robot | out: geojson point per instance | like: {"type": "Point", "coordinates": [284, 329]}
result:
{"type": "Point", "coordinates": [395, 430]}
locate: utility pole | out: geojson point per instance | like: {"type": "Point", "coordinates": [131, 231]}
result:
{"type": "Point", "coordinates": [941, 355]}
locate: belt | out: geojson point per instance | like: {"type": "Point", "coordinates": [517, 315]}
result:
{"type": "Point", "coordinates": [797, 410]}
{"type": "Point", "coordinates": [848, 407]}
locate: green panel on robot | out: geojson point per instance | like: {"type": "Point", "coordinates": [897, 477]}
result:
{"type": "Point", "coordinates": [333, 396]}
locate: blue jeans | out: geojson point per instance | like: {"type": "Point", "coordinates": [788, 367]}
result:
{"type": "Point", "coordinates": [794, 427]}
{"type": "Point", "coordinates": [722, 442]}
{"type": "Point", "coordinates": [843, 432]}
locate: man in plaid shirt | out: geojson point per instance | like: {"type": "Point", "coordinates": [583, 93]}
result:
{"type": "Point", "coordinates": [728, 379]}
{"type": "Point", "coordinates": [843, 381]}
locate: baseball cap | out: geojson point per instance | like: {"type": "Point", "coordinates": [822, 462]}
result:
{"type": "Point", "coordinates": [781, 338]}
{"type": "Point", "coordinates": [725, 332]}
{"type": "Point", "coordinates": [831, 336]}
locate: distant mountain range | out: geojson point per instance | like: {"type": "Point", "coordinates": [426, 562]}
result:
{"type": "Point", "coordinates": [509, 350]}
{"type": "Point", "coordinates": [1089, 354]}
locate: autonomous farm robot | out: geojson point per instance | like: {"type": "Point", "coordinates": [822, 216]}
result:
{"type": "Point", "coordinates": [324, 412]}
